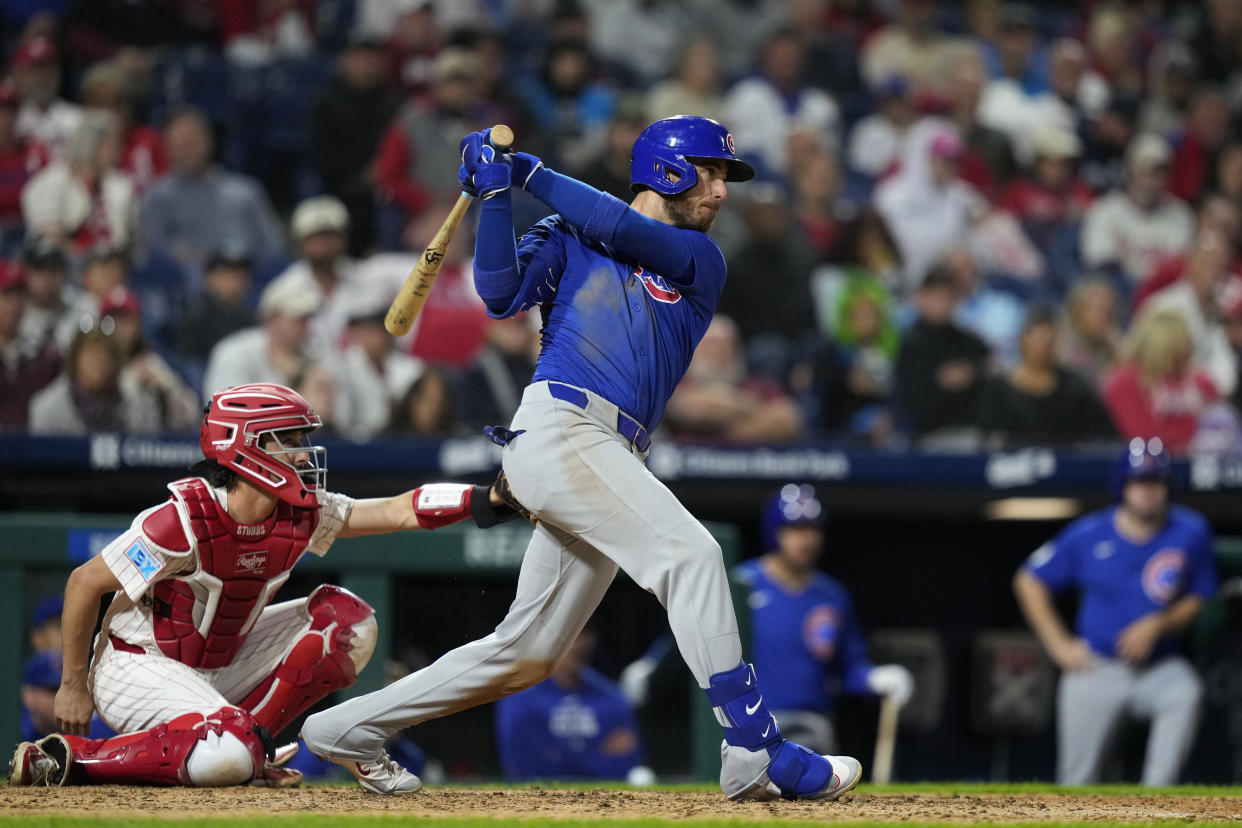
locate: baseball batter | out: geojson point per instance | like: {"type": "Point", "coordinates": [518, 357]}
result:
{"type": "Point", "coordinates": [1144, 569]}
{"type": "Point", "coordinates": [192, 665]}
{"type": "Point", "coordinates": [626, 292]}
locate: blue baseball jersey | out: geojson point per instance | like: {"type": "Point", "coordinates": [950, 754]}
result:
{"type": "Point", "coordinates": [799, 640]}
{"type": "Point", "coordinates": [550, 732]}
{"type": "Point", "coordinates": [1121, 581]}
{"type": "Point", "coordinates": [612, 325]}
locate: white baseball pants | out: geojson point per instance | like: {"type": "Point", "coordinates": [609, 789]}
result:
{"type": "Point", "coordinates": [599, 509]}
{"type": "Point", "coordinates": [136, 691]}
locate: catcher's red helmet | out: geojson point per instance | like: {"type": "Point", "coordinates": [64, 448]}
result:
{"type": "Point", "coordinates": [232, 435]}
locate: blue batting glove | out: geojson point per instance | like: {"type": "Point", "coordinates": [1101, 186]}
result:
{"type": "Point", "coordinates": [524, 167]}
{"type": "Point", "coordinates": [472, 150]}
{"type": "Point", "coordinates": [484, 173]}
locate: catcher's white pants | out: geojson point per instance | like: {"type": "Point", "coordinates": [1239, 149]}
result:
{"type": "Point", "coordinates": [136, 691]}
{"type": "Point", "coordinates": [599, 509]}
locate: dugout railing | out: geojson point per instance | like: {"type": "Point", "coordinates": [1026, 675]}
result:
{"type": "Point", "coordinates": [41, 548]}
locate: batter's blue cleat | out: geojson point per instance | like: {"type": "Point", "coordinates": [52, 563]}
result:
{"type": "Point", "coordinates": [756, 761]}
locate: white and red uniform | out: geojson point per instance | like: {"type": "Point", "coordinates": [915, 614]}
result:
{"type": "Point", "coordinates": [192, 631]}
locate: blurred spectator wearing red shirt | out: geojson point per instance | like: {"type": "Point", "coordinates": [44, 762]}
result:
{"type": "Point", "coordinates": [1156, 392]}
{"type": "Point", "coordinates": [1050, 200]}
{"type": "Point", "coordinates": [1216, 214]}
{"type": "Point", "coordinates": [108, 87]}
{"type": "Point", "coordinates": [43, 117]}
{"type": "Point", "coordinates": [1207, 130]}
{"type": "Point", "coordinates": [989, 161]}
{"type": "Point", "coordinates": [717, 400]}
{"type": "Point", "coordinates": [257, 31]}
{"type": "Point", "coordinates": [1194, 296]}
{"type": "Point", "coordinates": [421, 143]}
{"type": "Point", "coordinates": [1050, 193]}
{"type": "Point", "coordinates": [26, 365]}
{"type": "Point", "coordinates": [414, 40]}
{"type": "Point", "coordinates": [19, 161]}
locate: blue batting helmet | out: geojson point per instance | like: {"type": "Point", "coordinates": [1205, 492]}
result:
{"type": "Point", "coordinates": [661, 158]}
{"type": "Point", "coordinates": [793, 505]}
{"type": "Point", "coordinates": [1142, 460]}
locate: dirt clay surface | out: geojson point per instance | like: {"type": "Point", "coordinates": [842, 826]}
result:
{"type": "Point", "coordinates": [550, 803]}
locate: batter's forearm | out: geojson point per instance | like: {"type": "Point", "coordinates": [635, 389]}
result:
{"type": "Point", "coordinates": [497, 277]}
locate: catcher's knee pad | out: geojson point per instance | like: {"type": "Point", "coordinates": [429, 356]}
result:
{"type": "Point", "coordinates": [323, 659]}
{"type": "Point", "coordinates": [355, 629]}
{"type": "Point", "coordinates": [229, 750]}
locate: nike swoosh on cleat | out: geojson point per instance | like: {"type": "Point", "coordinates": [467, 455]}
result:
{"type": "Point", "coordinates": [765, 731]}
{"type": "Point", "coordinates": [750, 710]}
{"type": "Point", "coordinates": [362, 772]}
{"type": "Point", "coordinates": [748, 678]}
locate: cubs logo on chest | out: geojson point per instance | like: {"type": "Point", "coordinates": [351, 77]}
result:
{"type": "Point", "coordinates": [657, 288]}
{"type": "Point", "coordinates": [1164, 574]}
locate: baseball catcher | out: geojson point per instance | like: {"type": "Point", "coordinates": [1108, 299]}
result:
{"type": "Point", "coordinates": [194, 665]}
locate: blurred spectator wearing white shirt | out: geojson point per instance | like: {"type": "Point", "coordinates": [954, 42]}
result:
{"type": "Point", "coordinates": [1194, 296]}
{"type": "Point", "coordinates": [764, 110]}
{"type": "Point", "coordinates": [320, 227]}
{"type": "Point", "coordinates": [43, 117]}
{"type": "Point", "coordinates": [875, 143]}
{"type": "Point", "coordinates": [1131, 230]}
{"type": "Point", "coordinates": [273, 351]}
{"type": "Point", "coordinates": [83, 198]}
{"type": "Point", "coordinates": [374, 375]}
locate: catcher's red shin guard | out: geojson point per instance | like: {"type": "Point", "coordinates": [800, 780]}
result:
{"type": "Point", "coordinates": [324, 659]}
{"type": "Point", "coordinates": [224, 748]}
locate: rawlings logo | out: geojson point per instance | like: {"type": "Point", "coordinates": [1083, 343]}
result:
{"type": "Point", "coordinates": [660, 290]}
{"type": "Point", "coordinates": [257, 530]}
{"type": "Point", "coordinates": [251, 561]}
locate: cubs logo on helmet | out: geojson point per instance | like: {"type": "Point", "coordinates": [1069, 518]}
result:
{"type": "Point", "coordinates": [663, 156]}
{"type": "Point", "coordinates": [1163, 575]}
{"type": "Point", "coordinates": [659, 289]}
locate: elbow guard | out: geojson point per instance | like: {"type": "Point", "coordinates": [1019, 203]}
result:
{"type": "Point", "coordinates": [443, 504]}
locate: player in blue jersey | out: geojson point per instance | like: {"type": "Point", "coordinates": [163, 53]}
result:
{"type": "Point", "coordinates": [573, 725]}
{"type": "Point", "coordinates": [804, 635]}
{"type": "Point", "coordinates": [625, 294]}
{"type": "Point", "coordinates": [1143, 569]}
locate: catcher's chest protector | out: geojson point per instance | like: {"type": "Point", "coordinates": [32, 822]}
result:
{"type": "Point", "coordinates": [201, 619]}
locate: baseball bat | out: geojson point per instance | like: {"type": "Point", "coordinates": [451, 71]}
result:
{"type": "Point", "coordinates": [885, 742]}
{"type": "Point", "coordinates": [409, 301]}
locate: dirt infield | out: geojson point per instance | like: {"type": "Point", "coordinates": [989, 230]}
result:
{"type": "Point", "coordinates": [548, 804]}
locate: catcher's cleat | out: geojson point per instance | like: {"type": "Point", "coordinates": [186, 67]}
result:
{"type": "Point", "coordinates": [45, 762]}
{"type": "Point", "coordinates": [383, 776]}
{"type": "Point", "coordinates": [283, 754]}
{"type": "Point", "coordinates": [274, 776]}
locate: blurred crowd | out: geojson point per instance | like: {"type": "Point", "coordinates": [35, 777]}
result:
{"type": "Point", "coordinates": [975, 225]}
